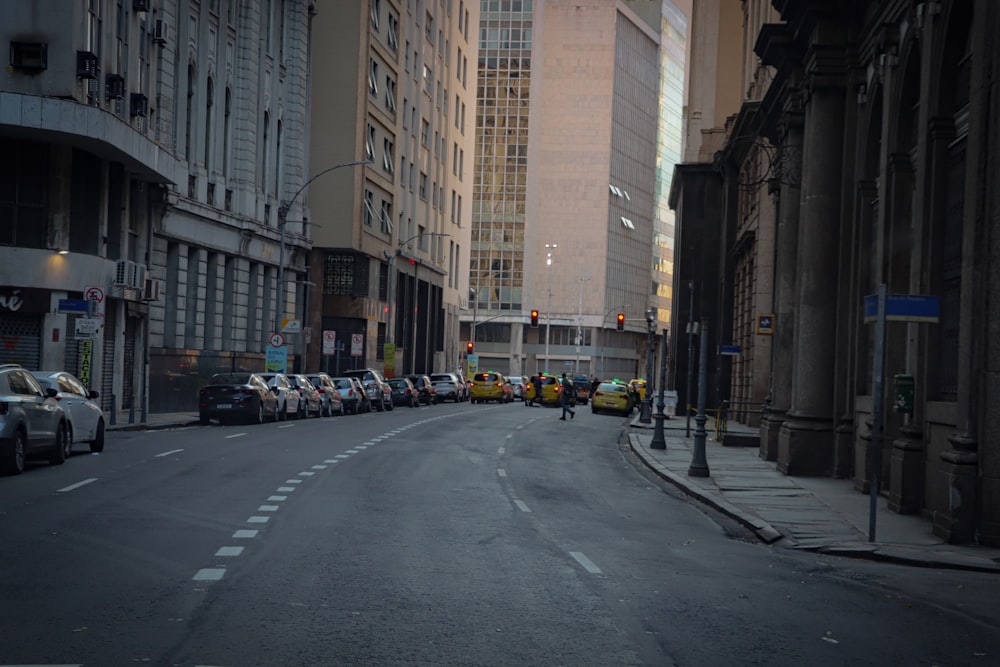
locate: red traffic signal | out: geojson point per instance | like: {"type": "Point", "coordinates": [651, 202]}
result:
{"type": "Point", "coordinates": [470, 346]}
{"type": "Point", "coordinates": [534, 319]}
{"type": "Point", "coordinates": [621, 321]}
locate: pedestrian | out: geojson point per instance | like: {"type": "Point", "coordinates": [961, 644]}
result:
{"type": "Point", "coordinates": [565, 398]}
{"type": "Point", "coordinates": [537, 380]}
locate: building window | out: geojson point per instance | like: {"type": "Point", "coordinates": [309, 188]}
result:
{"type": "Point", "coordinates": [372, 76]}
{"type": "Point", "coordinates": [369, 213]}
{"type": "Point", "coordinates": [376, 10]}
{"type": "Point", "coordinates": [423, 186]}
{"type": "Point", "coordinates": [386, 218]}
{"type": "Point", "coordinates": [387, 157]}
{"type": "Point", "coordinates": [428, 80]}
{"type": "Point", "coordinates": [390, 95]}
{"type": "Point", "coordinates": [429, 27]}
{"type": "Point", "coordinates": [425, 133]}
{"type": "Point", "coordinates": [393, 33]}
{"type": "Point", "coordinates": [370, 143]}
{"type": "Point", "coordinates": [209, 99]}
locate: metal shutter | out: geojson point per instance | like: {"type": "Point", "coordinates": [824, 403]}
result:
{"type": "Point", "coordinates": [21, 340]}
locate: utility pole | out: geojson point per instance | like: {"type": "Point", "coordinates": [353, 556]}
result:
{"type": "Point", "coordinates": [548, 310]}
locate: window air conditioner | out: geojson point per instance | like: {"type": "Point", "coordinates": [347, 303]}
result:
{"type": "Point", "coordinates": [139, 105]}
{"type": "Point", "coordinates": [86, 65]}
{"type": "Point", "coordinates": [151, 291]}
{"type": "Point", "coordinates": [139, 277]}
{"type": "Point", "coordinates": [124, 273]}
{"type": "Point", "coordinates": [160, 31]}
{"type": "Point", "coordinates": [114, 87]}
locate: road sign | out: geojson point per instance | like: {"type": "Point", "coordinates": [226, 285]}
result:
{"type": "Point", "coordinates": [729, 350]}
{"type": "Point", "coordinates": [357, 344]}
{"type": "Point", "coordinates": [904, 308]}
{"type": "Point", "coordinates": [94, 294]}
{"type": "Point", "coordinates": [73, 306]}
{"type": "Point", "coordinates": [291, 326]}
{"type": "Point", "coordinates": [765, 324]}
{"type": "Point", "coordinates": [276, 340]}
{"type": "Point", "coordinates": [329, 343]}
{"type": "Point", "coordinates": [88, 327]}
{"type": "Point", "coordinates": [276, 359]}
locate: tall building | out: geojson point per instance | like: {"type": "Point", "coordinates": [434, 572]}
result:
{"type": "Point", "coordinates": [566, 182]}
{"type": "Point", "coordinates": [862, 146]}
{"type": "Point", "coordinates": [386, 274]}
{"type": "Point", "coordinates": [153, 143]}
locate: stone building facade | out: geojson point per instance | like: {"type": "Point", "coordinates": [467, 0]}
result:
{"type": "Point", "coordinates": [882, 170]}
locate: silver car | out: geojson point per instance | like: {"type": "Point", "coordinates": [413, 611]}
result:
{"type": "Point", "coordinates": [32, 423]}
{"type": "Point", "coordinates": [85, 417]}
{"type": "Point", "coordinates": [288, 395]}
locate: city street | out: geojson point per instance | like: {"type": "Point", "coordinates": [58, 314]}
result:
{"type": "Point", "coordinates": [453, 534]}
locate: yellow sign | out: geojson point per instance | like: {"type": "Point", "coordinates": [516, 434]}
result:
{"type": "Point", "coordinates": [86, 358]}
{"type": "Point", "coordinates": [389, 359]}
{"type": "Point", "coordinates": [291, 326]}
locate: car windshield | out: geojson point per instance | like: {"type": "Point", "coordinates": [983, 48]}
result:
{"type": "Point", "coordinates": [364, 375]}
{"type": "Point", "coordinates": [613, 387]}
{"type": "Point", "coordinates": [230, 378]}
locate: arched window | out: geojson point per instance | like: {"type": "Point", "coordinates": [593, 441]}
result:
{"type": "Point", "coordinates": [277, 164]}
{"type": "Point", "coordinates": [265, 145]}
{"type": "Point", "coordinates": [227, 132]}
{"type": "Point", "coordinates": [209, 100]}
{"type": "Point", "coordinates": [189, 116]}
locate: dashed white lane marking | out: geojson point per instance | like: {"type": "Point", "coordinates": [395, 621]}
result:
{"type": "Point", "coordinates": [369, 443]}
{"type": "Point", "coordinates": [521, 506]}
{"type": "Point", "coordinates": [229, 551]}
{"type": "Point", "coordinates": [267, 508]}
{"type": "Point", "coordinates": [277, 499]}
{"type": "Point", "coordinates": [172, 451]}
{"type": "Point", "coordinates": [587, 564]}
{"type": "Point", "coordinates": [287, 426]}
{"type": "Point", "coordinates": [351, 451]}
{"type": "Point", "coordinates": [209, 574]}
{"type": "Point", "coordinates": [501, 472]}
{"type": "Point", "coordinates": [318, 467]}
{"type": "Point", "coordinates": [501, 450]}
{"type": "Point", "coordinates": [235, 435]}
{"type": "Point", "coordinates": [510, 436]}
{"type": "Point", "coordinates": [245, 534]}
{"type": "Point", "coordinates": [72, 487]}
{"type": "Point", "coordinates": [293, 481]}
{"type": "Point", "coordinates": [258, 519]}
{"type": "Point", "coordinates": [306, 473]}
{"type": "Point", "coordinates": [343, 456]}
{"type": "Point", "coordinates": [327, 461]}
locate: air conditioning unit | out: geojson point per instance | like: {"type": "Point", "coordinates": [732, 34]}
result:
{"type": "Point", "coordinates": [124, 273]}
{"type": "Point", "coordinates": [114, 87]}
{"type": "Point", "coordinates": [151, 290]}
{"type": "Point", "coordinates": [139, 105]}
{"type": "Point", "coordinates": [160, 28]}
{"type": "Point", "coordinates": [86, 65]}
{"type": "Point", "coordinates": [139, 277]}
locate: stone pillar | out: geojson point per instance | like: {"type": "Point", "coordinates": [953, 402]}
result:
{"type": "Point", "coordinates": [806, 438]}
{"type": "Point", "coordinates": [785, 272]}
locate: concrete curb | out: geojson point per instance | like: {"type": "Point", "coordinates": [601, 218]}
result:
{"type": "Point", "coordinates": [765, 531]}
{"type": "Point", "coordinates": [152, 427]}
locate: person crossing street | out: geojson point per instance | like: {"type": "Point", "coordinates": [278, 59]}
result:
{"type": "Point", "coordinates": [566, 398]}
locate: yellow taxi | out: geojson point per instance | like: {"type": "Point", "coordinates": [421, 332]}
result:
{"type": "Point", "coordinates": [638, 387]}
{"type": "Point", "coordinates": [551, 388]}
{"type": "Point", "coordinates": [487, 386]}
{"type": "Point", "coordinates": [612, 397]}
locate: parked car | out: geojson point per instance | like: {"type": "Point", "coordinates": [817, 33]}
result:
{"type": "Point", "coordinates": [310, 404]}
{"type": "Point", "coordinates": [488, 386]}
{"type": "Point", "coordinates": [32, 423]}
{"type": "Point", "coordinates": [448, 387]}
{"type": "Point", "coordinates": [379, 393]}
{"type": "Point", "coordinates": [612, 397]}
{"type": "Point", "coordinates": [425, 388]}
{"type": "Point", "coordinates": [83, 414]}
{"type": "Point", "coordinates": [582, 384]}
{"type": "Point", "coordinates": [331, 402]}
{"type": "Point", "coordinates": [403, 392]}
{"type": "Point", "coordinates": [353, 394]}
{"type": "Point", "coordinates": [518, 382]}
{"type": "Point", "coordinates": [288, 396]}
{"type": "Point", "coordinates": [241, 396]}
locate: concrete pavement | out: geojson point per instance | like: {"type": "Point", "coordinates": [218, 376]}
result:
{"type": "Point", "coordinates": [814, 514]}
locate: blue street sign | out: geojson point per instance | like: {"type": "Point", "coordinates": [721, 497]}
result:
{"type": "Point", "coordinates": [729, 350]}
{"type": "Point", "coordinates": [74, 306]}
{"type": "Point", "coordinates": [904, 308]}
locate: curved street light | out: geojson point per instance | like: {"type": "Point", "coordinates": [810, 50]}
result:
{"type": "Point", "coordinates": [550, 247]}
{"type": "Point", "coordinates": [282, 222]}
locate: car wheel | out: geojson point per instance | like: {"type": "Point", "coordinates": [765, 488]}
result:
{"type": "Point", "coordinates": [68, 444]}
{"type": "Point", "coordinates": [392, 406]}
{"type": "Point", "coordinates": [14, 465]}
{"type": "Point", "coordinates": [259, 419]}
{"type": "Point", "coordinates": [97, 444]}
{"type": "Point", "coordinates": [58, 456]}
{"type": "Point", "coordinates": [203, 420]}
{"type": "Point", "coordinates": [381, 406]}
{"type": "Point", "coordinates": [283, 414]}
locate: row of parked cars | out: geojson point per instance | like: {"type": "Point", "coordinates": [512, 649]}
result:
{"type": "Point", "coordinates": [43, 414]}
{"type": "Point", "coordinates": [246, 396]}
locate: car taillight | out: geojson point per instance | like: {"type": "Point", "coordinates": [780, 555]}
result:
{"type": "Point", "coordinates": [500, 384]}
{"type": "Point", "coordinates": [350, 392]}
{"type": "Point", "coordinates": [321, 391]}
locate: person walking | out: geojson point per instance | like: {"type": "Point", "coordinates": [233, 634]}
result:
{"type": "Point", "coordinates": [566, 397]}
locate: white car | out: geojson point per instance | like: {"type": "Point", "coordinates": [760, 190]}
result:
{"type": "Point", "coordinates": [518, 382]}
{"type": "Point", "coordinates": [84, 415]}
{"type": "Point", "coordinates": [288, 395]}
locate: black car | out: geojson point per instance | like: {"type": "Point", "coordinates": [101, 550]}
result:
{"type": "Point", "coordinates": [379, 393]}
{"type": "Point", "coordinates": [425, 388]}
{"type": "Point", "coordinates": [232, 397]}
{"type": "Point", "coordinates": [404, 393]}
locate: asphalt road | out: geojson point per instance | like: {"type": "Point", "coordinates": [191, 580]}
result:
{"type": "Point", "coordinates": [444, 535]}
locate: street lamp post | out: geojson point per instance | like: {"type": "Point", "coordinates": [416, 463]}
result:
{"type": "Point", "coordinates": [659, 441]}
{"type": "Point", "coordinates": [282, 221]}
{"type": "Point", "coordinates": [645, 412]}
{"type": "Point", "coordinates": [550, 247]}
{"type": "Point", "coordinates": [699, 461]}
{"type": "Point", "coordinates": [579, 327]}
{"type": "Point", "coordinates": [692, 331]}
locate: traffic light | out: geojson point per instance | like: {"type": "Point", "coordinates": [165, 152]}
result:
{"type": "Point", "coordinates": [534, 319]}
{"type": "Point", "coordinates": [470, 346]}
{"type": "Point", "coordinates": [621, 321]}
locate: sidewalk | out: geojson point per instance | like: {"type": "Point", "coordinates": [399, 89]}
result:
{"type": "Point", "coordinates": [816, 514]}
{"type": "Point", "coordinates": [124, 421]}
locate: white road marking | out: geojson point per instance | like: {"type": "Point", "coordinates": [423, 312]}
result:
{"type": "Point", "coordinates": [318, 467]}
{"type": "Point", "coordinates": [521, 506]}
{"type": "Point", "coordinates": [267, 508]}
{"type": "Point", "coordinates": [277, 499]}
{"type": "Point", "coordinates": [370, 443]}
{"type": "Point", "coordinates": [510, 436]}
{"type": "Point", "coordinates": [71, 487]}
{"type": "Point", "coordinates": [172, 451]}
{"type": "Point", "coordinates": [501, 472]}
{"type": "Point", "coordinates": [351, 451]}
{"type": "Point", "coordinates": [245, 534]}
{"type": "Point", "coordinates": [258, 519]}
{"type": "Point", "coordinates": [209, 574]}
{"type": "Point", "coordinates": [587, 564]}
{"type": "Point", "coordinates": [229, 551]}
{"type": "Point", "coordinates": [307, 473]}
{"type": "Point", "coordinates": [286, 489]}
{"type": "Point", "coordinates": [287, 426]}
{"type": "Point", "coordinates": [235, 435]}
{"type": "Point", "coordinates": [343, 456]}
{"type": "Point", "coordinates": [293, 481]}
{"type": "Point", "coordinates": [330, 461]}
{"type": "Point", "coordinates": [361, 446]}
{"type": "Point", "coordinates": [501, 451]}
